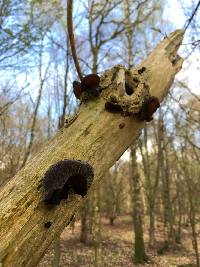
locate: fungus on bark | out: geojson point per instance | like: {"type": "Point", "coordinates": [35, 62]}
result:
{"type": "Point", "coordinates": [148, 108]}
{"type": "Point", "coordinates": [113, 107]}
{"type": "Point", "coordinates": [77, 89]}
{"type": "Point", "coordinates": [66, 176]}
{"type": "Point", "coordinates": [90, 84]}
{"type": "Point", "coordinates": [150, 105]}
{"type": "Point", "coordinates": [140, 71]}
{"type": "Point", "coordinates": [88, 88]}
{"type": "Point", "coordinates": [127, 93]}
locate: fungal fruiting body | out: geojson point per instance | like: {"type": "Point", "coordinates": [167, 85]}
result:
{"type": "Point", "coordinates": [127, 92]}
{"type": "Point", "coordinates": [113, 107]}
{"type": "Point", "coordinates": [140, 71]}
{"type": "Point", "coordinates": [66, 176]}
{"type": "Point", "coordinates": [88, 88]}
{"type": "Point", "coordinates": [90, 84]}
{"type": "Point", "coordinates": [150, 105]}
{"type": "Point", "coordinates": [77, 89]}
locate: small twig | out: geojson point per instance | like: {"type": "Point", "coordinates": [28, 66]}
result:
{"type": "Point", "coordinates": [194, 43]}
{"type": "Point", "coordinates": [71, 37]}
{"type": "Point", "coordinates": [187, 23]}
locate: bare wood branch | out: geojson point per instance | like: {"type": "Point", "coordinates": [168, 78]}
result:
{"type": "Point", "coordinates": [94, 137]}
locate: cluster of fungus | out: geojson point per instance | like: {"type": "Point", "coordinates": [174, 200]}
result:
{"type": "Point", "coordinates": [88, 88]}
{"type": "Point", "coordinates": [64, 177]}
{"type": "Point", "coordinates": [150, 106]}
{"type": "Point", "coordinates": [132, 99]}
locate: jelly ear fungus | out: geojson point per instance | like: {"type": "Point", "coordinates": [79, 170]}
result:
{"type": "Point", "coordinates": [66, 176]}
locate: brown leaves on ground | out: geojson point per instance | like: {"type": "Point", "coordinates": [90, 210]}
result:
{"type": "Point", "coordinates": [117, 248]}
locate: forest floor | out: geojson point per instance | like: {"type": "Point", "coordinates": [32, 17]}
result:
{"type": "Point", "coordinates": [117, 248]}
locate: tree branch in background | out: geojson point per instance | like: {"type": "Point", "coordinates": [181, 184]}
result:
{"type": "Point", "coordinates": [71, 37]}
{"type": "Point", "coordinates": [187, 23]}
{"type": "Point", "coordinates": [6, 105]}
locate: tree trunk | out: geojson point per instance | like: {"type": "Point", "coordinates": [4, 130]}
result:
{"type": "Point", "coordinates": [97, 229]}
{"type": "Point", "coordinates": [192, 210]}
{"type": "Point", "coordinates": [139, 249]}
{"type": "Point", "coordinates": [151, 227]}
{"type": "Point", "coordinates": [96, 137]}
{"type": "Point", "coordinates": [166, 197]}
{"type": "Point", "coordinates": [194, 233]}
{"type": "Point", "coordinates": [112, 221]}
{"type": "Point", "coordinates": [151, 184]}
{"type": "Point", "coordinates": [180, 209]}
{"type": "Point", "coordinates": [84, 223]}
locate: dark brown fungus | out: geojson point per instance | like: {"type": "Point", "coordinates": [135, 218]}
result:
{"type": "Point", "coordinates": [89, 86]}
{"type": "Point", "coordinates": [66, 176]}
{"type": "Point", "coordinates": [148, 108]}
{"type": "Point", "coordinates": [47, 225]}
{"type": "Point", "coordinates": [113, 107]}
{"type": "Point", "coordinates": [140, 71]}
{"type": "Point", "coordinates": [90, 81]}
{"type": "Point", "coordinates": [77, 89]}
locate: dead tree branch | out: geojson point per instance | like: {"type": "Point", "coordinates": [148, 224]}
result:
{"type": "Point", "coordinates": [96, 136]}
